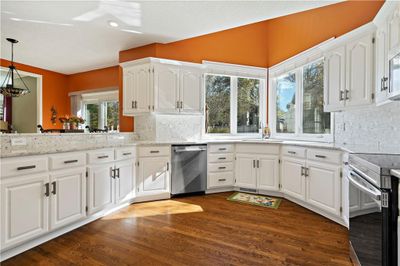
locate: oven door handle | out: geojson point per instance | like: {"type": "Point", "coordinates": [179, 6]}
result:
{"type": "Point", "coordinates": [375, 193]}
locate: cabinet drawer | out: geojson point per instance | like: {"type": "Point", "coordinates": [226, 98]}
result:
{"type": "Point", "coordinates": [220, 167]}
{"type": "Point", "coordinates": [323, 155]}
{"type": "Point", "coordinates": [100, 156]}
{"type": "Point", "coordinates": [148, 151]}
{"type": "Point", "coordinates": [263, 148]}
{"type": "Point", "coordinates": [67, 160]}
{"type": "Point", "coordinates": [125, 153]}
{"type": "Point", "coordinates": [220, 158]}
{"type": "Point", "coordinates": [293, 151]}
{"type": "Point", "coordinates": [220, 148]}
{"type": "Point", "coordinates": [23, 166]}
{"type": "Point", "coordinates": [223, 179]}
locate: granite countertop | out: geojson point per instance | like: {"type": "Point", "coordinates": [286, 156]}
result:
{"type": "Point", "coordinates": [395, 172]}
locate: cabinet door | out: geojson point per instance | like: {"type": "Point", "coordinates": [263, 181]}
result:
{"type": "Point", "coordinates": [128, 93]}
{"type": "Point", "coordinates": [293, 183]}
{"type": "Point", "coordinates": [166, 88]}
{"type": "Point", "coordinates": [100, 187]}
{"type": "Point", "coordinates": [142, 89]}
{"type": "Point", "coordinates": [323, 186]}
{"type": "Point", "coordinates": [246, 171]}
{"type": "Point", "coordinates": [394, 32]}
{"type": "Point", "coordinates": [359, 71]}
{"type": "Point", "coordinates": [354, 199]}
{"type": "Point", "coordinates": [153, 175]}
{"type": "Point", "coordinates": [24, 209]}
{"type": "Point", "coordinates": [381, 65]}
{"type": "Point", "coordinates": [68, 196]}
{"type": "Point", "coordinates": [125, 180]}
{"type": "Point", "coordinates": [334, 79]}
{"type": "Point", "coordinates": [190, 90]}
{"type": "Point", "coordinates": [268, 172]}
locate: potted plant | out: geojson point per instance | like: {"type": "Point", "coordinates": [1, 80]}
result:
{"type": "Point", "coordinates": [65, 121]}
{"type": "Point", "coordinates": [75, 121]}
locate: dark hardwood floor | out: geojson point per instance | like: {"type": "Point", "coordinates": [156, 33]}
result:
{"type": "Point", "coordinates": [198, 230]}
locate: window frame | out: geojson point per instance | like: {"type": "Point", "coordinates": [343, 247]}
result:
{"type": "Point", "coordinates": [298, 135]}
{"type": "Point", "coordinates": [233, 106]}
{"type": "Point", "coordinates": [102, 106]}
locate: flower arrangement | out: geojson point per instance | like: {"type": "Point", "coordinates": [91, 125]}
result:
{"type": "Point", "coordinates": [71, 122]}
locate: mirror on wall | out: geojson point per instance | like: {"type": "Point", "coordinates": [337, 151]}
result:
{"type": "Point", "coordinates": [21, 114]}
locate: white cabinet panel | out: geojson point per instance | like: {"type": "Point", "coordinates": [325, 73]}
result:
{"type": "Point", "coordinates": [292, 179]}
{"type": "Point", "coordinates": [334, 79]}
{"type": "Point", "coordinates": [166, 88]}
{"type": "Point", "coordinates": [394, 31]}
{"type": "Point", "coordinates": [323, 186]}
{"type": "Point", "coordinates": [190, 90]}
{"type": "Point", "coordinates": [143, 89]}
{"type": "Point", "coordinates": [24, 208]}
{"type": "Point", "coordinates": [125, 180]}
{"type": "Point", "coordinates": [221, 179]}
{"type": "Point", "coordinates": [381, 65]}
{"type": "Point", "coordinates": [100, 187]}
{"type": "Point", "coordinates": [68, 196]}
{"type": "Point", "coordinates": [128, 93]}
{"type": "Point", "coordinates": [268, 172]}
{"type": "Point", "coordinates": [153, 174]}
{"type": "Point", "coordinates": [246, 171]}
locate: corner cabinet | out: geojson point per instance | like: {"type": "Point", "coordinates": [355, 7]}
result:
{"type": "Point", "coordinates": [162, 86]}
{"type": "Point", "coordinates": [349, 69]}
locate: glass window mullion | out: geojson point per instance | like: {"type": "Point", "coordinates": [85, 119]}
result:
{"type": "Point", "coordinates": [234, 86]}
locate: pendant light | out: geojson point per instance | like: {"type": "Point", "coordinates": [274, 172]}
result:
{"type": "Point", "coordinates": [8, 87]}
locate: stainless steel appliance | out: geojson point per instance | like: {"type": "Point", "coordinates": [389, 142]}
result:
{"type": "Point", "coordinates": [373, 220]}
{"type": "Point", "coordinates": [189, 169]}
{"type": "Point", "coordinates": [394, 77]}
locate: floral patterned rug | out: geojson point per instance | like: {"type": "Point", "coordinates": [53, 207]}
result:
{"type": "Point", "coordinates": [259, 200]}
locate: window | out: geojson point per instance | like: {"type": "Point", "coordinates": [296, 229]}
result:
{"type": "Point", "coordinates": [298, 105]}
{"type": "Point", "coordinates": [101, 114]}
{"type": "Point", "coordinates": [232, 104]}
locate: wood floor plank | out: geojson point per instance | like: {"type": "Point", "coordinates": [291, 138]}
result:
{"type": "Point", "coordinates": [198, 230]}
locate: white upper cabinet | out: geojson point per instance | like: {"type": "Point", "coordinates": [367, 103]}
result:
{"type": "Point", "coordinates": [348, 70]}
{"type": "Point", "coordinates": [394, 31]}
{"type": "Point", "coordinates": [381, 65]}
{"type": "Point", "coordinates": [162, 86]}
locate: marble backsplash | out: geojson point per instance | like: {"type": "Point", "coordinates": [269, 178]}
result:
{"type": "Point", "coordinates": [54, 143]}
{"type": "Point", "coordinates": [376, 127]}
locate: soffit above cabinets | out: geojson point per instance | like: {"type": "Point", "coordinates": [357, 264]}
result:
{"type": "Point", "coordinates": [75, 36]}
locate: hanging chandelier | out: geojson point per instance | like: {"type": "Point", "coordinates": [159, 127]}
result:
{"type": "Point", "coordinates": [8, 87]}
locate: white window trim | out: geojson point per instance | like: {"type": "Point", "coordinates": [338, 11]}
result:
{"type": "Point", "coordinates": [295, 65]}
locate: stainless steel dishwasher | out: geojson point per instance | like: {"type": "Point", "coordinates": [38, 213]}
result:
{"type": "Point", "coordinates": [189, 169]}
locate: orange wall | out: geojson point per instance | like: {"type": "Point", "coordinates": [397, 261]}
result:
{"type": "Point", "coordinates": [54, 91]}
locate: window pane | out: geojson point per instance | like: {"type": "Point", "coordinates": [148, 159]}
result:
{"type": "Point", "coordinates": [315, 120]}
{"type": "Point", "coordinates": [248, 105]}
{"type": "Point", "coordinates": [92, 115]}
{"type": "Point", "coordinates": [285, 103]}
{"type": "Point", "coordinates": [112, 115]}
{"type": "Point", "coordinates": [218, 89]}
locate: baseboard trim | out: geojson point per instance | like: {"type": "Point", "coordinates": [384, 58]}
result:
{"type": "Point", "coordinates": [219, 190]}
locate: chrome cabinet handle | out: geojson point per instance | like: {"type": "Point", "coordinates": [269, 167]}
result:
{"type": "Point", "coordinates": [320, 156]}
{"type": "Point", "coordinates": [222, 158]}
{"type": "Point", "coordinates": [222, 167]}
{"type": "Point", "coordinates": [154, 151]}
{"type": "Point", "coordinates": [26, 167]}
{"type": "Point", "coordinates": [47, 189]}
{"type": "Point", "coordinates": [70, 161]}
{"type": "Point", "coordinates": [133, 105]}
{"type": "Point", "coordinates": [102, 157]}
{"type": "Point", "coordinates": [177, 104]}
{"type": "Point", "coordinates": [54, 191]}
{"type": "Point", "coordinates": [254, 163]}
{"type": "Point", "coordinates": [258, 163]}
{"type": "Point", "coordinates": [112, 173]}
{"type": "Point", "coordinates": [168, 166]}
{"type": "Point", "coordinates": [127, 153]}
{"type": "Point", "coordinates": [116, 172]}
{"type": "Point", "coordinates": [181, 105]}
{"type": "Point", "coordinates": [222, 149]}
{"type": "Point", "coordinates": [385, 79]}
{"type": "Point", "coordinates": [302, 171]}
{"type": "Point", "coordinates": [222, 179]}
{"type": "Point", "coordinates": [306, 171]}
{"type": "Point", "coordinates": [346, 95]}
{"type": "Point", "coordinates": [341, 98]}
{"type": "Point", "coordinates": [292, 152]}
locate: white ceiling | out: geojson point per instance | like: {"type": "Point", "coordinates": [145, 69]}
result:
{"type": "Point", "coordinates": [74, 36]}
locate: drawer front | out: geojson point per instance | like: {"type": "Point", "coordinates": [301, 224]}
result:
{"type": "Point", "coordinates": [100, 156]}
{"type": "Point", "coordinates": [220, 158]}
{"type": "Point", "coordinates": [293, 151]}
{"type": "Point", "coordinates": [223, 179]}
{"type": "Point", "coordinates": [67, 160]}
{"type": "Point", "coordinates": [151, 151]}
{"type": "Point", "coordinates": [125, 153]}
{"type": "Point", "coordinates": [23, 166]}
{"type": "Point", "coordinates": [221, 148]}
{"type": "Point", "coordinates": [220, 167]}
{"type": "Point", "coordinates": [323, 155]}
{"type": "Point", "coordinates": [261, 148]}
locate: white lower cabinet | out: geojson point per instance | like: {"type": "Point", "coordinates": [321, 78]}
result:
{"type": "Point", "coordinates": [68, 196]}
{"type": "Point", "coordinates": [292, 178]}
{"type": "Point", "coordinates": [154, 175]}
{"type": "Point", "coordinates": [124, 181]}
{"type": "Point", "coordinates": [24, 208]}
{"type": "Point", "coordinates": [246, 171]}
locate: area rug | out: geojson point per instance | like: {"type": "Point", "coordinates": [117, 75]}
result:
{"type": "Point", "coordinates": [258, 200]}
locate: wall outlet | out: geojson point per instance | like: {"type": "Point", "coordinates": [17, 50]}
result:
{"type": "Point", "coordinates": [18, 142]}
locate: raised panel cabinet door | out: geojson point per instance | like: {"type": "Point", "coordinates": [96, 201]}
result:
{"type": "Point", "coordinates": [359, 71]}
{"type": "Point", "coordinates": [268, 172]}
{"type": "Point", "coordinates": [292, 179]}
{"type": "Point", "coordinates": [153, 174]}
{"type": "Point", "coordinates": [128, 92]}
{"type": "Point", "coordinates": [190, 90]}
{"type": "Point", "coordinates": [334, 79]}
{"type": "Point", "coordinates": [246, 171]}
{"type": "Point", "coordinates": [100, 187]}
{"type": "Point", "coordinates": [125, 180]}
{"type": "Point", "coordinates": [142, 89]}
{"type": "Point", "coordinates": [381, 65]}
{"type": "Point", "coordinates": [67, 196]}
{"type": "Point", "coordinates": [24, 209]}
{"type": "Point", "coordinates": [166, 88]}
{"type": "Point", "coordinates": [323, 186]}
{"type": "Point", "coordinates": [394, 31]}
